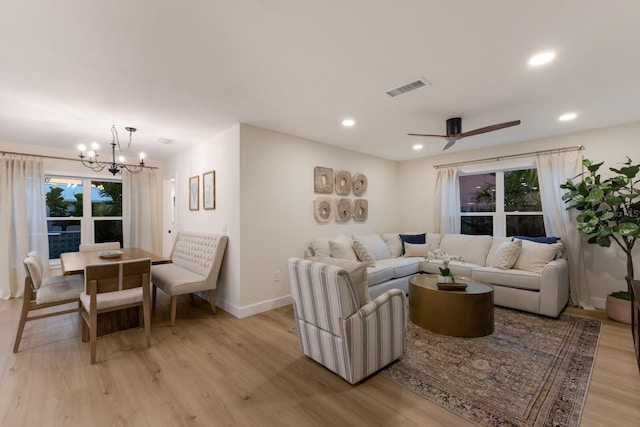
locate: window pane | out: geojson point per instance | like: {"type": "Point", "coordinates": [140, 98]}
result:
{"type": "Point", "coordinates": [64, 197]}
{"type": "Point", "coordinates": [521, 191]}
{"type": "Point", "coordinates": [106, 198]}
{"type": "Point", "coordinates": [108, 231]}
{"type": "Point", "coordinates": [525, 225]}
{"type": "Point", "coordinates": [476, 225]}
{"type": "Point", "coordinates": [478, 193]}
{"type": "Point", "coordinates": [64, 236]}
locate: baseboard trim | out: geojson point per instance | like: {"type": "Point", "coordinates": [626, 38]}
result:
{"type": "Point", "coordinates": [251, 309]}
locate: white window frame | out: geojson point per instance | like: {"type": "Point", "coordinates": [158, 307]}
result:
{"type": "Point", "coordinates": [499, 216]}
{"type": "Point", "coordinates": [87, 220]}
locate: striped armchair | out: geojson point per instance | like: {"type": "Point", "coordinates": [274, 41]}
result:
{"type": "Point", "coordinates": [334, 330]}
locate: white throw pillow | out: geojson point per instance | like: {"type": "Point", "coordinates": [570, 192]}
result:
{"type": "Point", "coordinates": [416, 249]}
{"type": "Point", "coordinates": [535, 256]}
{"type": "Point", "coordinates": [507, 254]}
{"type": "Point", "coordinates": [320, 246]}
{"type": "Point", "coordinates": [363, 254]}
{"type": "Point", "coordinates": [393, 242]}
{"type": "Point", "coordinates": [341, 248]}
{"type": "Point", "coordinates": [375, 245]}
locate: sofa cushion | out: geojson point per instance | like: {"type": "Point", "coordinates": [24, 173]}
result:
{"type": "Point", "coordinates": [363, 254]}
{"type": "Point", "coordinates": [433, 240]}
{"type": "Point", "coordinates": [374, 244]}
{"type": "Point", "coordinates": [495, 244]}
{"type": "Point", "coordinates": [358, 273]}
{"type": "Point", "coordinates": [320, 246]}
{"type": "Point", "coordinates": [518, 279]}
{"type": "Point", "coordinates": [413, 238]}
{"type": "Point", "coordinates": [393, 242]}
{"type": "Point", "coordinates": [473, 249]}
{"type": "Point", "coordinates": [340, 247]}
{"type": "Point", "coordinates": [416, 249]}
{"type": "Point", "coordinates": [378, 274]}
{"type": "Point", "coordinates": [535, 256]}
{"type": "Point", "coordinates": [506, 255]}
{"type": "Point", "coordinates": [458, 268]}
{"type": "Point", "coordinates": [402, 266]}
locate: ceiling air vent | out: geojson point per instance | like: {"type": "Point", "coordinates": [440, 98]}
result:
{"type": "Point", "coordinates": [408, 88]}
{"type": "Point", "coordinates": [165, 141]}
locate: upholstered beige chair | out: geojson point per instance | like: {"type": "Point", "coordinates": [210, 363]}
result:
{"type": "Point", "coordinates": [196, 260]}
{"type": "Point", "coordinates": [337, 328]}
{"type": "Point", "coordinates": [106, 246]}
{"type": "Point", "coordinates": [115, 286]}
{"type": "Point", "coordinates": [44, 292]}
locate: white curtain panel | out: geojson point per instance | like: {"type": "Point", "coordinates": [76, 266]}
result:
{"type": "Point", "coordinates": [553, 170]}
{"type": "Point", "coordinates": [447, 209]}
{"type": "Point", "coordinates": [23, 219]}
{"type": "Point", "coordinates": [142, 210]}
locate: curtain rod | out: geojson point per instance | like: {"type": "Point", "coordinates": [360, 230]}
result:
{"type": "Point", "coordinates": [57, 158]}
{"type": "Point", "coordinates": [511, 156]}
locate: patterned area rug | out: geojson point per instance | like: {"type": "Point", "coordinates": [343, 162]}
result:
{"type": "Point", "coordinates": [532, 371]}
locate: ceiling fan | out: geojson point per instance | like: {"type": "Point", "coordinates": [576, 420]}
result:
{"type": "Point", "coordinates": [454, 131]}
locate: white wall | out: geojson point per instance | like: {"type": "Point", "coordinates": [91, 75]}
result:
{"type": "Point", "coordinates": [219, 153]}
{"type": "Point", "coordinates": [606, 267]}
{"type": "Point", "coordinates": [277, 194]}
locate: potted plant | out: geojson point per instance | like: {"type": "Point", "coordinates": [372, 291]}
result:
{"type": "Point", "coordinates": [609, 208]}
{"type": "Point", "coordinates": [619, 306]}
{"type": "Point", "coordinates": [445, 273]}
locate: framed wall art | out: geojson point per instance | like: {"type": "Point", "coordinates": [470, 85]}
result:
{"type": "Point", "coordinates": [194, 193]}
{"type": "Point", "coordinates": [209, 190]}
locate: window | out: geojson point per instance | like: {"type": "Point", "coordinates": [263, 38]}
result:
{"type": "Point", "coordinates": [80, 210]}
{"type": "Point", "coordinates": [501, 203]}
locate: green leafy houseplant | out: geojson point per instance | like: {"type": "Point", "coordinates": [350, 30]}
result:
{"type": "Point", "coordinates": [446, 272]}
{"type": "Point", "coordinates": [609, 208]}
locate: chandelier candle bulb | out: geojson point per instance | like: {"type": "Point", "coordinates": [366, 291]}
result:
{"type": "Point", "coordinates": [113, 167]}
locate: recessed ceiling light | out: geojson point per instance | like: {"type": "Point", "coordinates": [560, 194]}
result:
{"type": "Point", "coordinates": [348, 122]}
{"type": "Point", "coordinates": [541, 58]}
{"type": "Point", "coordinates": [567, 117]}
{"type": "Point", "coordinates": [418, 147]}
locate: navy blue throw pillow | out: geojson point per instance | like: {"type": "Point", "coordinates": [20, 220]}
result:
{"type": "Point", "coordinates": [413, 238]}
{"type": "Point", "coordinates": [542, 239]}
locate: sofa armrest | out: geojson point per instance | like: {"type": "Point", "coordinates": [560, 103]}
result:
{"type": "Point", "coordinates": [554, 287]}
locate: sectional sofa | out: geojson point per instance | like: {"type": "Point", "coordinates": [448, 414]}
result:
{"type": "Point", "coordinates": [525, 275]}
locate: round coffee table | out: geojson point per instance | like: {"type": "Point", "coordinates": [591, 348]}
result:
{"type": "Point", "coordinates": [466, 313]}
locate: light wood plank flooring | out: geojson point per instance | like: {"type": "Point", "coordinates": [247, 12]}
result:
{"type": "Point", "coordinates": [212, 370]}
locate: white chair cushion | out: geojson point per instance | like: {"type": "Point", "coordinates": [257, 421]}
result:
{"type": "Point", "coordinates": [175, 280]}
{"type": "Point", "coordinates": [60, 288]}
{"type": "Point", "coordinates": [113, 299]}
{"type": "Point", "coordinates": [358, 273]}
{"type": "Point", "coordinates": [375, 245]}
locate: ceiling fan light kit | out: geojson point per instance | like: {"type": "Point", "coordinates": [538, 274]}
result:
{"type": "Point", "coordinates": [454, 131]}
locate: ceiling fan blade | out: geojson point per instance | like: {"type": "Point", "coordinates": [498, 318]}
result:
{"type": "Point", "coordinates": [449, 144]}
{"type": "Point", "coordinates": [424, 134]}
{"type": "Point", "coordinates": [490, 128]}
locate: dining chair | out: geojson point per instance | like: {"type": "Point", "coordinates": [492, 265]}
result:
{"type": "Point", "coordinates": [44, 292]}
{"type": "Point", "coordinates": [115, 286]}
{"type": "Point", "coordinates": [106, 246]}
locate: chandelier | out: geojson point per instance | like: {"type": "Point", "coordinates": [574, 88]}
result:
{"type": "Point", "coordinates": [114, 167]}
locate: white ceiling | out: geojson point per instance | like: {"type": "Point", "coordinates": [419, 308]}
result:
{"type": "Point", "coordinates": [186, 70]}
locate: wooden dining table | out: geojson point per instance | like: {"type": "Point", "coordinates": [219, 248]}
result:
{"type": "Point", "coordinates": [75, 262]}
